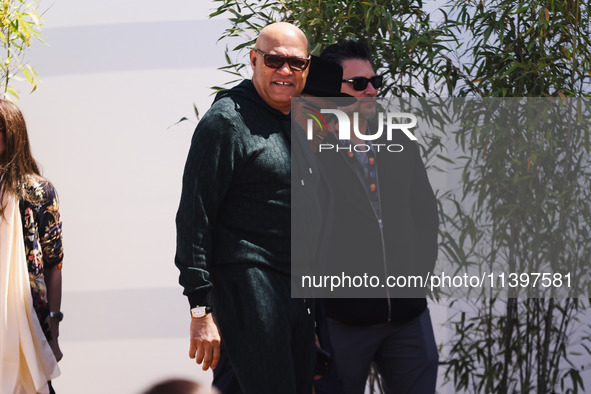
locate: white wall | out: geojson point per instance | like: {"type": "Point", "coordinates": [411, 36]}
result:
{"type": "Point", "coordinates": [115, 76]}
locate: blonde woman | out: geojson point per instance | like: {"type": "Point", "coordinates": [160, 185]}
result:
{"type": "Point", "coordinates": [30, 264]}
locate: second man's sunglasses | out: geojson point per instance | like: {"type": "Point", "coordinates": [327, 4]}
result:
{"type": "Point", "coordinates": [277, 61]}
{"type": "Point", "coordinates": [360, 83]}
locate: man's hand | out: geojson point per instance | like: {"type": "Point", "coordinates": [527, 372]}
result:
{"type": "Point", "coordinates": [205, 342]}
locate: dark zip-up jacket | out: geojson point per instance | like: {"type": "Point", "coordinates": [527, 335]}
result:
{"type": "Point", "coordinates": [235, 202]}
{"type": "Point", "coordinates": [409, 224]}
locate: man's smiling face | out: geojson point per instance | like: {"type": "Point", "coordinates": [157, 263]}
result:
{"type": "Point", "coordinates": [278, 85]}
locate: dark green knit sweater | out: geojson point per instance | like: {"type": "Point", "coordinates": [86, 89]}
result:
{"type": "Point", "coordinates": [235, 202]}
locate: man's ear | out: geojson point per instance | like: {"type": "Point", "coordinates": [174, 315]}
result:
{"type": "Point", "coordinates": [253, 58]}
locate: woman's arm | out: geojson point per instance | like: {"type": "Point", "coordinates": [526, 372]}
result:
{"type": "Point", "coordinates": [50, 232]}
{"type": "Point", "coordinates": [53, 281]}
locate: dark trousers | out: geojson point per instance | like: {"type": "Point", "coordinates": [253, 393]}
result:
{"type": "Point", "coordinates": [405, 355]}
{"type": "Point", "coordinates": [224, 378]}
{"type": "Point", "coordinates": [268, 336]}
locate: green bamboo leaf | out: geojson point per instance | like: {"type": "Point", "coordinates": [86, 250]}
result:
{"type": "Point", "coordinates": [217, 12]}
{"type": "Point", "coordinates": [196, 111]}
{"type": "Point", "coordinates": [25, 70]}
{"type": "Point", "coordinates": [183, 119]}
{"type": "Point", "coordinates": [244, 45]}
{"type": "Point", "coordinates": [12, 92]}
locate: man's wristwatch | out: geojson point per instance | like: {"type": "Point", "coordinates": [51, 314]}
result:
{"type": "Point", "coordinates": [200, 311]}
{"type": "Point", "coordinates": [56, 315]}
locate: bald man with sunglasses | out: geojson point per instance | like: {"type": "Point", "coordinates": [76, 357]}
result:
{"type": "Point", "coordinates": [233, 226]}
{"type": "Point", "coordinates": [385, 221]}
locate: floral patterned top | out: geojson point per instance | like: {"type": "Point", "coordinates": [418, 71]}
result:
{"type": "Point", "coordinates": [42, 231]}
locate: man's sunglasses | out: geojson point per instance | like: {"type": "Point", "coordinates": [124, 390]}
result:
{"type": "Point", "coordinates": [360, 83]}
{"type": "Point", "coordinates": [277, 61]}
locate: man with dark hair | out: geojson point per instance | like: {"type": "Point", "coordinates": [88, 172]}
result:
{"type": "Point", "coordinates": [385, 215]}
{"type": "Point", "coordinates": [347, 50]}
{"type": "Point", "coordinates": [233, 225]}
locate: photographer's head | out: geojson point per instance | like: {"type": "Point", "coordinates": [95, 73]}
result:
{"type": "Point", "coordinates": [179, 386]}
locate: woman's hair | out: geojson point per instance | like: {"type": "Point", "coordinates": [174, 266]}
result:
{"type": "Point", "coordinates": [17, 162]}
